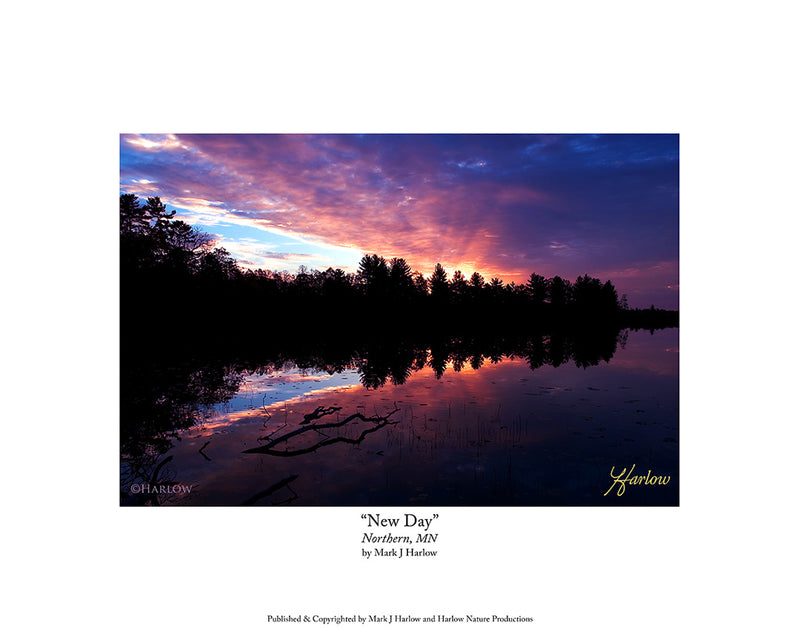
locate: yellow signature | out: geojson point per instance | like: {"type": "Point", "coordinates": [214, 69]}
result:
{"type": "Point", "coordinates": [631, 479]}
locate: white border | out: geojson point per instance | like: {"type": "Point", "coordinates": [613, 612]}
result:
{"type": "Point", "coordinates": [85, 72]}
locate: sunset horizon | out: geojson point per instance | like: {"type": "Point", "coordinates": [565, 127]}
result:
{"type": "Point", "coordinates": [504, 206]}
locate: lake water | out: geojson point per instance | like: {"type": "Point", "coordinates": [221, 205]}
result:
{"type": "Point", "coordinates": [501, 434]}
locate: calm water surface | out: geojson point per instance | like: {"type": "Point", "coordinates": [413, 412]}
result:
{"type": "Point", "coordinates": [502, 434]}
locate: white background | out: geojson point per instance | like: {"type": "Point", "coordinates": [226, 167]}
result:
{"type": "Point", "coordinates": [75, 75]}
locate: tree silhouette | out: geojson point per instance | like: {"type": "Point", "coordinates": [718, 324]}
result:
{"type": "Point", "coordinates": [218, 266]}
{"type": "Point", "coordinates": [401, 282]}
{"type": "Point", "coordinates": [586, 292]}
{"type": "Point", "coordinates": [170, 271]}
{"type": "Point", "coordinates": [537, 288]}
{"type": "Point", "coordinates": [335, 284]}
{"type": "Point", "coordinates": [438, 283]}
{"type": "Point", "coordinates": [496, 289]}
{"type": "Point", "coordinates": [374, 274]}
{"type": "Point", "coordinates": [420, 285]}
{"type": "Point", "coordinates": [458, 286]}
{"type": "Point", "coordinates": [475, 291]}
{"type": "Point", "coordinates": [560, 291]}
{"type": "Point", "coordinates": [608, 297]}
{"type": "Point", "coordinates": [133, 218]}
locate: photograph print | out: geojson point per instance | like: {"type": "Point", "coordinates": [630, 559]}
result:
{"type": "Point", "coordinates": [399, 319]}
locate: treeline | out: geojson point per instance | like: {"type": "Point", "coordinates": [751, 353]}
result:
{"type": "Point", "coordinates": [173, 279]}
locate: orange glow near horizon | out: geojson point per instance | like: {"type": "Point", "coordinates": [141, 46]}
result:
{"type": "Point", "coordinates": [502, 206]}
{"type": "Point", "coordinates": [418, 224]}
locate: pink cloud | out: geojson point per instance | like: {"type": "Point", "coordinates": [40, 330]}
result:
{"type": "Point", "coordinates": [415, 201]}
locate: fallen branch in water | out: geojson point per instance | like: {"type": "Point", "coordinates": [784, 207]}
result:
{"type": "Point", "coordinates": [318, 413]}
{"type": "Point", "coordinates": [201, 451]}
{"type": "Point", "coordinates": [378, 421]}
{"type": "Point", "coordinates": [263, 494]}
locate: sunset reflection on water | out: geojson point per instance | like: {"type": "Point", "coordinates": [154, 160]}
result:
{"type": "Point", "coordinates": [501, 434]}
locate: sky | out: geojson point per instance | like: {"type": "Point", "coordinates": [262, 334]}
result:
{"type": "Point", "coordinates": [503, 205]}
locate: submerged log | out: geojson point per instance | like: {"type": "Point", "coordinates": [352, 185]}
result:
{"type": "Point", "coordinates": [378, 421]}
